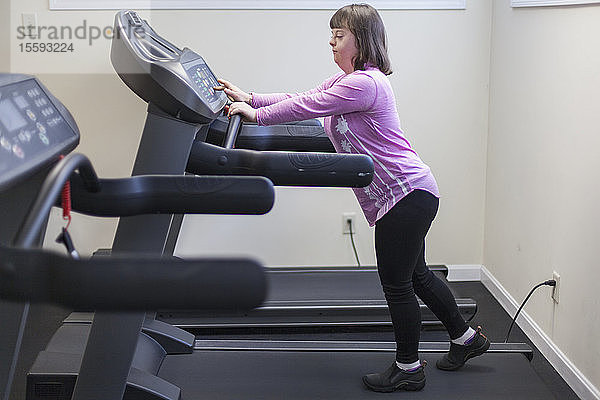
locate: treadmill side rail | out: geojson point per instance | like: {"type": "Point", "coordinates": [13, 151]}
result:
{"type": "Point", "coordinates": [289, 345]}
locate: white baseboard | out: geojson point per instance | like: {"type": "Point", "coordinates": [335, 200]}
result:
{"type": "Point", "coordinates": [464, 273]}
{"type": "Point", "coordinates": [569, 372]}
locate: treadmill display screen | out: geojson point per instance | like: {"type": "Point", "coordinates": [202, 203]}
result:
{"type": "Point", "coordinates": [204, 79]}
{"type": "Point", "coordinates": [30, 128]}
{"type": "Point", "coordinates": [10, 117]}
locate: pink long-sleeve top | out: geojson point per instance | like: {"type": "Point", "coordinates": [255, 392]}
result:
{"type": "Point", "coordinates": [361, 118]}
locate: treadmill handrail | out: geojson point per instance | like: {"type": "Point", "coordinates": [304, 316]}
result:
{"type": "Point", "coordinates": [173, 194]}
{"type": "Point", "coordinates": [130, 283]}
{"type": "Point", "coordinates": [282, 167]}
{"type": "Point", "coordinates": [308, 135]}
{"type": "Point", "coordinates": [233, 130]}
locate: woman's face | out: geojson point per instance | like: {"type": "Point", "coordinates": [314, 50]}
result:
{"type": "Point", "coordinates": [343, 44]}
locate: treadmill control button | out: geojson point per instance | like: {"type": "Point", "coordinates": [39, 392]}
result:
{"type": "Point", "coordinates": [18, 151]}
{"type": "Point", "coordinates": [31, 115]}
{"type": "Point", "coordinates": [6, 144]}
{"type": "Point", "coordinates": [44, 138]}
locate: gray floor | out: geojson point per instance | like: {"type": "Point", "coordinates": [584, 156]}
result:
{"type": "Point", "coordinates": [495, 322]}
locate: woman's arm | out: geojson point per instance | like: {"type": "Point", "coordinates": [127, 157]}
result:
{"type": "Point", "coordinates": [263, 99]}
{"type": "Point", "coordinates": [352, 93]}
{"type": "Point", "coordinates": [257, 100]}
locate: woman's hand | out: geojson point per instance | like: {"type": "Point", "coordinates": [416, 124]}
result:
{"type": "Point", "coordinates": [233, 92]}
{"type": "Point", "coordinates": [245, 110]}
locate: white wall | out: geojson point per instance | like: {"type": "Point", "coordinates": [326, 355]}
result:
{"type": "Point", "coordinates": [441, 62]}
{"type": "Point", "coordinates": [543, 169]}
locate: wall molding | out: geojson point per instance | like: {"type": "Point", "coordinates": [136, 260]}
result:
{"type": "Point", "coordinates": [464, 273]}
{"type": "Point", "coordinates": [250, 4]}
{"type": "Point", "coordinates": [565, 367]}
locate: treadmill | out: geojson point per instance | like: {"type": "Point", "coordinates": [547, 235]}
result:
{"type": "Point", "coordinates": [227, 369]}
{"type": "Point", "coordinates": [35, 129]}
{"type": "Point", "coordinates": [300, 297]}
{"type": "Point", "coordinates": [24, 164]}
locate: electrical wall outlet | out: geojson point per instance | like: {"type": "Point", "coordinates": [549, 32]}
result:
{"type": "Point", "coordinates": [30, 24]}
{"type": "Point", "coordinates": [346, 218]}
{"type": "Point", "coordinates": [556, 289]}
{"type": "Point", "coordinates": [29, 19]}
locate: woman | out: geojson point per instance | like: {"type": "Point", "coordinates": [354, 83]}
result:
{"type": "Point", "coordinates": [361, 117]}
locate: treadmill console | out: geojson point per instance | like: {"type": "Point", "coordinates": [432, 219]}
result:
{"type": "Point", "coordinates": [178, 81]}
{"type": "Point", "coordinates": [204, 79]}
{"type": "Point", "coordinates": [34, 128]}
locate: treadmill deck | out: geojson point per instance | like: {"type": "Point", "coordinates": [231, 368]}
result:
{"type": "Point", "coordinates": [308, 375]}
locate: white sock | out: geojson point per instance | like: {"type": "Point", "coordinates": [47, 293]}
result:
{"type": "Point", "coordinates": [409, 367]}
{"type": "Point", "coordinates": [469, 334]}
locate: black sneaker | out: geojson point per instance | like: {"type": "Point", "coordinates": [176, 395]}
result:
{"type": "Point", "coordinates": [395, 378]}
{"type": "Point", "coordinates": [459, 354]}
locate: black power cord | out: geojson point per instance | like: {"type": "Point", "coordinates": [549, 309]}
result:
{"type": "Point", "coordinates": [352, 240]}
{"type": "Point", "coordinates": [550, 282]}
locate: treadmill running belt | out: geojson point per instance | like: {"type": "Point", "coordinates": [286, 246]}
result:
{"type": "Point", "coordinates": [325, 285]}
{"type": "Point", "coordinates": [330, 285]}
{"type": "Point", "coordinates": [279, 375]}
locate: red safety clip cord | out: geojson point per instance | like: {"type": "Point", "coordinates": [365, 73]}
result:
{"type": "Point", "coordinates": [66, 201]}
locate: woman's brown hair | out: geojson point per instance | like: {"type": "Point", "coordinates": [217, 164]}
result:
{"type": "Point", "coordinates": [367, 27]}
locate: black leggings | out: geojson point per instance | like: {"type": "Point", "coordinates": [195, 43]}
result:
{"type": "Point", "coordinates": [400, 249]}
